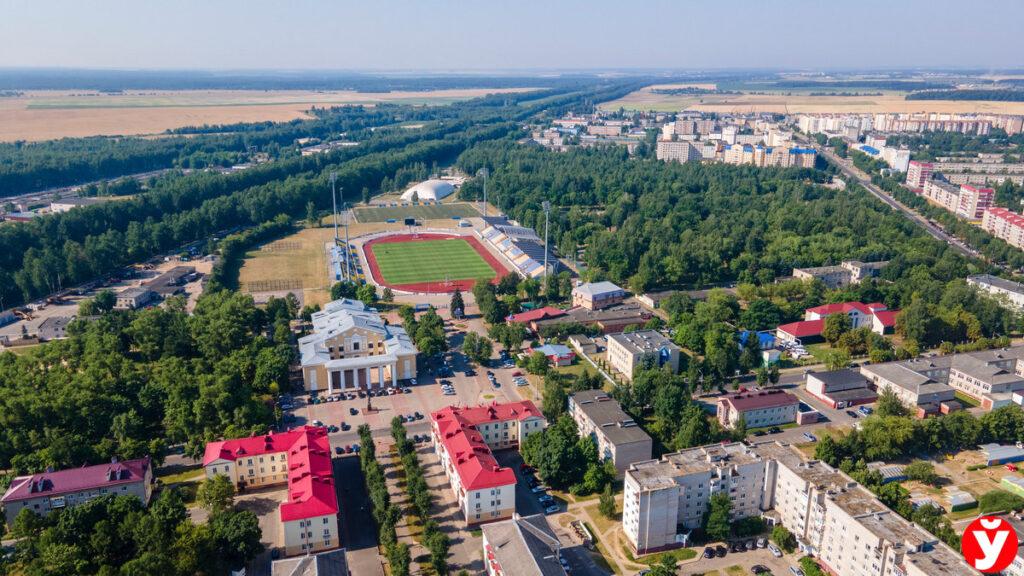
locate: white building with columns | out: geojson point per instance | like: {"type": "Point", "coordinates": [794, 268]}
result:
{"type": "Point", "coordinates": [352, 348]}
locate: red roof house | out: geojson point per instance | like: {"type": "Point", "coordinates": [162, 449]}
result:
{"type": "Point", "coordinates": [874, 316]}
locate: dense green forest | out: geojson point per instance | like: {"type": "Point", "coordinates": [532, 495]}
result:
{"type": "Point", "coordinates": [994, 94]}
{"type": "Point", "coordinates": [129, 384]}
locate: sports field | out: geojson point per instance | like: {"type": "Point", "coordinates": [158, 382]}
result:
{"type": "Point", "coordinates": [430, 262]}
{"type": "Point", "coordinates": [432, 212]}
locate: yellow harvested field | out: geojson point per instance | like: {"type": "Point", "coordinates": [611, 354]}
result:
{"type": "Point", "coordinates": [646, 99]}
{"type": "Point", "coordinates": [44, 115]}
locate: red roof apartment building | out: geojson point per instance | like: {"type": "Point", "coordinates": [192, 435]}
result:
{"type": "Point", "coordinates": [48, 491]}
{"type": "Point", "coordinates": [300, 458]}
{"type": "Point", "coordinates": [758, 409]}
{"type": "Point", "coordinates": [918, 174]}
{"type": "Point", "coordinates": [875, 316]}
{"type": "Point", "coordinates": [1004, 224]}
{"type": "Point", "coordinates": [464, 439]}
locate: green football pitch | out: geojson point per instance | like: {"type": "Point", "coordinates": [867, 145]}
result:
{"type": "Point", "coordinates": [430, 261]}
{"type": "Point", "coordinates": [432, 212]}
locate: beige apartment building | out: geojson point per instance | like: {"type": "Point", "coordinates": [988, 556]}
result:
{"type": "Point", "coordinates": [628, 350]}
{"type": "Point", "coordinates": [681, 151]}
{"type": "Point", "coordinates": [1005, 225]}
{"type": "Point", "coordinates": [351, 348]}
{"type": "Point", "coordinates": [832, 517]}
{"type": "Point", "coordinates": [846, 273]}
{"type": "Point", "coordinates": [619, 440]}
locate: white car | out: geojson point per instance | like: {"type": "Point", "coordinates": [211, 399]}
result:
{"type": "Point", "coordinates": [449, 392]}
{"type": "Point", "coordinates": [775, 550]}
{"type": "Point", "coordinates": [554, 509]}
{"type": "Point", "coordinates": [538, 489]}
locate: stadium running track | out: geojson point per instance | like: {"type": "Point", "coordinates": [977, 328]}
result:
{"type": "Point", "coordinates": [430, 287]}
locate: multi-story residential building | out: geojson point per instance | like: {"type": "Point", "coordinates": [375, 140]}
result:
{"type": "Point", "coordinates": [678, 151]}
{"type": "Point", "coordinates": [48, 491]}
{"type": "Point", "coordinates": [832, 517]}
{"type": "Point", "coordinates": [464, 439]}
{"type": "Point", "coordinates": [758, 409]}
{"type": "Point", "coordinates": [618, 438]}
{"type": "Point", "coordinates": [660, 495]}
{"type": "Point", "coordinates": [974, 201]}
{"type": "Point", "coordinates": [918, 174]}
{"type": "Point", "coordinates": [351, 347]}
{"type": "Point", "coordinates": [628, 350]}
{"type": "Point", "coordinates": [597, 295]}
{"type": "Point", "coordinates": [300, 458]}
{"type": "Point", "coordinates": [777, 156]}
{"type": "Point", "coordinates": [1006, 290]}
{"type": "Point", "coordinates": [848, 272]}
{"type": "Point", "coordinates": [522, 546]}
{"type": "Point", "coordinates": [1004, 224]}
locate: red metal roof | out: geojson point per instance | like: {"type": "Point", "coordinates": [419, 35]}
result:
{"type": "Point", "coordinates": [77, 479]}
{"type": "Point", "coordinates": [311, 490]}
{"type": "Point", "coordinates": [887, 317]}
{"type": "Point", "coordinates": [760, 400]}
{"type": "Point", "coordinates": [846, 307]}
{"type": "Point", "coordinates": [538, 314]}
{"type": "Point", "coordinates": [472, 458]}
{"type": "Point", "coordinates": [803, 328]}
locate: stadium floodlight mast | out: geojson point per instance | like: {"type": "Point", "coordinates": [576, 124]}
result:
{"type": "Point", "coordinates": [547, 211]}
{"type": "Point", "coordinates": [348, 247]}
{"type": "Point", "coordinates": [483, 172]}
{"type": "Point", "coordinates": [334, 205]}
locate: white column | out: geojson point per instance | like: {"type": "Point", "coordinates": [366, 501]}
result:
{"type": "Point", "coordinates": [394, 374]}
{"type": "Point", "coordinates": [330, 382]}
{"type": "Point", "coordinates": [367, 372]}
{"type": "Point", "coordinates": [380, 375]}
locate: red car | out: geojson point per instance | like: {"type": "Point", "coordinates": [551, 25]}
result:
{"type": "Point", "coordinates": [517, 373]}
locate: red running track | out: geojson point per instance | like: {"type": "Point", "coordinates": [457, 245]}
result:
{"type": "Point", "coordinates": [431, 287]}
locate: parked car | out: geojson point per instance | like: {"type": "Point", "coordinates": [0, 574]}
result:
{"type": "Point", "coordinates": [407, 390]}
{"type": "Point", "coordinates": [565, 564]}
{"type": "Point", "coordinates": [537, 489]}
{"type": "Point", "coordinates": [737, 547]}
{"type": "Point", "coordinates": [317, 423]}
{"type": "Point", "coordinates": [865, 410]}
{"type": "Point", "coordinates": [552, 509]}
{"type": "Point", "coordinates": [762, 542]}
{"type": "Point", "coordinates": [721, 551]}
{"type": "Point", "coordinates": [758, 569]}
{"type": "Point", "coordinates": [339, 450]}
{"type": "Point", "coordinates": [774, 550]}
{"type": "Point", "coordinates": [355, 448]}
{"type": "Point", "coordinates": [774, 430]}
{"type": "Point", "coordinates": [470, 372]}
{"type": "Point", "coordinates": [517, 373]}
{"type": "Point", "coordinates": [345, 426]}
{"type": "Point", "coordinates": [353, 411]}
{"type": "Point", "coordinates": [796, 571]}
{"type": "Point", "coordinates": [546, 500]}
{"type": "Point", "coordinates": [449, 392]}
{"type": "Point", "coordinates": [348, 449]}
{"type": "Point", "coordinates": [758, 432]}
{"type": "Point", "coordinates": [709, 552]}
{"type": "Point", "coordinates": [810, 437]}
{"type": "Point", "coordinates": [418, 415]}
{"type": "Point", "coordinates": [751, 545]}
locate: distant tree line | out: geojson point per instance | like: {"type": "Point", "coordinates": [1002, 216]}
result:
{"type": "Point", "coordinates": [994, 94]}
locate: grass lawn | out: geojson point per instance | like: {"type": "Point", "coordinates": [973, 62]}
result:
{"type": "Point", "coordinates": [652, 559]}
{"type": "Point", "coordinates": [433, 212]}
{"type": "Point", "coordinates": [192, 475]}
{"type": "Point", "coordinates": [966, 400]}
{"type": "Point", "coordinates": [735, 571]}
{"type": "Point", "coordinates": [576, 369]}
{"type": "Point", "coordinates": [603, 524]}
{"type": "Point", "coordinates": [430, 261]}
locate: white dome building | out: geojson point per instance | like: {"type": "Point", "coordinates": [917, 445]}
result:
{"type": "Point", "coordinates": [429, 191]}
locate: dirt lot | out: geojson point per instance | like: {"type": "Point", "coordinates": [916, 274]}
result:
{"type": "Point", "coordinates": [889, 101]}
{"type": "Point", "coordinates": [43, 115]}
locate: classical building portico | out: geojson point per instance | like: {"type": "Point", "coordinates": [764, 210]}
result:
{"type": "Point", "coordinates": [352, 348]}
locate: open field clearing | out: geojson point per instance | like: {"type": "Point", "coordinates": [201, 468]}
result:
{"type": "Point", "coordinates": [298, 263]}
{"type": "Point", "coordinates": [43, 115]}
{"type": "Point", "coordinates": [432, 212]}
{"type": "Point", "coordinates": [801, 101]}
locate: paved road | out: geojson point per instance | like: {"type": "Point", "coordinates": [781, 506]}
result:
{"type": "Point", "coordinates": [358, 531]}
{"type": "Point", "coordinates": [862, 178]}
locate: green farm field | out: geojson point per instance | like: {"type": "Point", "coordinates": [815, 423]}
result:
{"type": "Point", "coordinates": [432, 212]}
{"type": "Point", "coordinates": [430, 261]}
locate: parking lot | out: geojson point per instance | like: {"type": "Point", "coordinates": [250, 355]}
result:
{"type": "Point", "coordinates": [745, 561]}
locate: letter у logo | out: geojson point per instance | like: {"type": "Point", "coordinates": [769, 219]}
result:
{"type": "Point", "coordinates": [989, 544]}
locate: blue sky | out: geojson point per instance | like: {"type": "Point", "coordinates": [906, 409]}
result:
{"type": "Point", "coordinates": [510, 34]}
